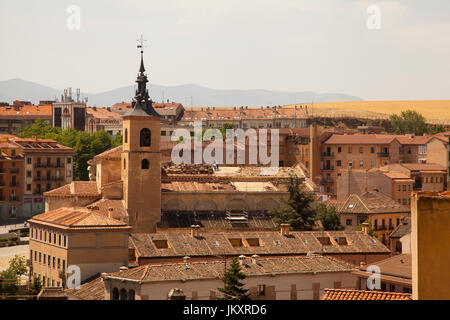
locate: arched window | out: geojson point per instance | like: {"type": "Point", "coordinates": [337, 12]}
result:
{"type": "Point", "coordinates": [126, 135]}
{"type": "Point", "coordinates": [123, 294]}
{"type": "Point", "coordinates": [115, 294]}
{"type": "Point", "coordinates": [131, 295]}
{"type": "Point", "coordinates": [145, 164]}
{"type": "Point", "coordinates": [124, 163]}
{"type": "Point", "coordinates": [146, 137]}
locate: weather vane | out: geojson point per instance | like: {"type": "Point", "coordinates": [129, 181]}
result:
{"type": "Point", "coordinates": [141, 41]}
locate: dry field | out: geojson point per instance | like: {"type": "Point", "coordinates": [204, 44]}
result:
{"type": "Point", "coordinates": [436, 111]}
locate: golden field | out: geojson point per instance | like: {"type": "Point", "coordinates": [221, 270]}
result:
{"type": "Point", "coordinates": [436, 111]}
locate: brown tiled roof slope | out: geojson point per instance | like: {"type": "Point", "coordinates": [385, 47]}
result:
{"type": "Point", "coordinates": [76, 188]}
{"type": "Point", "coordinates": [346, 294]}
{"type": "Point", "coordinates": [370, 202]}
{"type": "Point", "coordinates": [92, 290]}
{"type": "Point", "coordinates": [102, 206]}
{"type": "Point", "coordinates": [402, 229]}
{"type": "Point", "coordinates": [214, 269]}
{"type": "Point", "coordinates": [270, 243]}
{"type": "Point", "coordinates": [397, 266]}
{"type": "Point", "coordinates": [76, 218]}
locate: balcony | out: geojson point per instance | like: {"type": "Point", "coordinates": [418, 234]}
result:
{"type": "Point", "coordinates": [382, 154]}
{"type": "Point", "coordinates": [327, 154]}
{"type": "Point", "coordinates": [327, 168]}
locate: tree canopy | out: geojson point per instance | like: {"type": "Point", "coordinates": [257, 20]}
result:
{"type": "Point", "coordinates": [85, 145]}
{"type": "Point", "coordinates": [328, 217]}
{"type": "Point", "coordinates": [409, 121]}
{"type": "Point", "coordinates": [297, 211]}
{"type": "Point", "coordinates": [233, 287]}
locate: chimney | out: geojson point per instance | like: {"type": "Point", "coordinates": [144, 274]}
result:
{"type": "Point", "coordinates": [365, 228]}
{"type": "Point", "coordinates": [242, 260]}
{"type": "Point", "coordinates": [186, 259]}
{"type": "Point", "coordinates": [284, 229]}
{"type": "Point", "coordinates": [195, 231]}
{"type": "Point", "coordinates": [255, 259]}
{"type": "Point", "coordinates": [110, 212]}
{"type": "Point", "coordinates": [34, 137]}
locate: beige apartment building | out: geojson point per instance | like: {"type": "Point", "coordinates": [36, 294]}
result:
{"type": "Point", "coordinates": [348, 151]}
{"type": "Point", "coordinates": [76, 237]}
{"type": "Point", "coordinates": [47, 165]}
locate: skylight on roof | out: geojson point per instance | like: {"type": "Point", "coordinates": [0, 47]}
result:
{"type": "Point", "coordinates": [350, 206]}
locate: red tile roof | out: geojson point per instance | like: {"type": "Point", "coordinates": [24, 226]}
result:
{"type": "Point", "coordinates": [26, 110]}
{"type": "Point", "coordinates": [76, 188]}
{"type": "Point", "coordinates": [77, 218]}
{"type": "Point", "coordinates": [346, 294]}
{"type": "Point", "coordinates": [370, 202]}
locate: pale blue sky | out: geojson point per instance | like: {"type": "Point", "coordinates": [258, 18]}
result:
{"type": "Point", "coordinates": [286, 45]}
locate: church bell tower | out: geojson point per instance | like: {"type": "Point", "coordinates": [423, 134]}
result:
{"type": "Point", "coordinates": [141, 159]}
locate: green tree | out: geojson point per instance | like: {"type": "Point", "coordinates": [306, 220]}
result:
{"type": "Point", "coordinates": [36, 286]}
{"type": "Point", "coordinates": [10, 277]}
{"type": "Point", "coordinates": [409, 121]}
{"type": "Point", "coordinates": [233, 288]}
{"type": "Point", "coordinates": [328, 217]}
{"type": "Point", "coordinates": [297, 211]}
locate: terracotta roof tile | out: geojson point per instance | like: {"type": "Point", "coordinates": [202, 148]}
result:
{"type": "Point", "coordinates": [347, 294]}
{"type": "Point", "coordinates": [270, 243]}
{"type": "Point", "coordinates": [76, 188]}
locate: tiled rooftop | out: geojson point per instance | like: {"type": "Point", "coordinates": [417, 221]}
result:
{"type": "Point", "coordinates": [397, 266]}
{"type": "Point", "coordinates": [402, 229]}
{"type": "Point", "coordinates": [76, 188]}
{"type": "Point", "coordinates": [76, 218]}
{"type": "Point", "coordinates": [346, 294]}
{"type": "Point", "coordinates": [214, 269]}
{"type": "Point", "coordinates": [269, 243]}
{"type": "Point", "coordinates": [26, 110]}
{"type": "Point", "coordinates": [370, 202]}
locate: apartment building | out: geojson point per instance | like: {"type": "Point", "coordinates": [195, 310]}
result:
{"type": "Point", "coordinates": [354, 151]}
{"type": "Point", "coordinates": [397, 185]}
{"type": "Point", "coordinates": [14, 117]}
{"type": "Point", "coordinates": [103, 119]}
{"type": "Point", "coordinates": [11, 181]}
{"type": "Point", "coordinates": [47, 165]}
{"type": "Point", "coordinates": [247, 117]}
{"type": "Point", "coordinates": [78, 237]}
{"type": "Point", "coordinates": [438, 152]}
{"type": "Point", "coordinates": [383, 213]}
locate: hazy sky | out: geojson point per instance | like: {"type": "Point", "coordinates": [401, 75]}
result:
{"type": "Point", "coordinates": [286, 45]}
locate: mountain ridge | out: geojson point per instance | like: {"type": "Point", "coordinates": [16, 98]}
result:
{"type": "Point", "coordinates": [187, 94]}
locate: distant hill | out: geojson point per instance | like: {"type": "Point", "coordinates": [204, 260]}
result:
{"type": "Point", "coordinates": [13, 89]}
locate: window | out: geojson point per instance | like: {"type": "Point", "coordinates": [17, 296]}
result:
{"type": "Point", "coordinates": [123, 294]}
{"type": "Point", "coordinates": [144, 164]}
{"type": "Point", "coordinates": [28, 174]}
{"type": "Point", "coordinates": [361, 149]}
{"type": "Point", "coordinates": [338, 163]}
{"type": "Point", "coordinates": [131, 295]}
{"type": "Point", "coordinates": [28, 160]}
{"type": "Point", "coordinates": [145, 138]}
{"type": "Point", "coordinates": [115, 292]}
{"type": "Point", "coordinates": [348, 222]}
{"type": "Point", "coordinates": [349, 149]}
{"type": "Point", "coordinates": [44, 258]}
{"type": "Point", "coordinates": [409, 187]}
{"type": "Point", "coordinates": [372, 150]}
{"type": "Point", "coordinates": [40, 257]}
{"type": "Point", "coordinates": [350, 164]}
{"type": "Point", "coordinates": [339, 149]}
{"type": "Point", "coordinates": [28, 187]}
{"type": "Point", "coordinates": [404, 187]}
{"type": "Point", "coordinates": [261, 290]}
{"type": "Point", "coordinates": [126, 135]}
{"type": "Point", "coordinates": [399, 187]}
{"type": "Point", "coordinates": [372, 164]}
{"type": "Point", "coordinates": [69, 160]}
{"type": "Point", "coordinates": [409, 201]}
{"type": "Point", "coordinates": [361, 163]}
{"type": "Point", "coordinates": [124, 163]}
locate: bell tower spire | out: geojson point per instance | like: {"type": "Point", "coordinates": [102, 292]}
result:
{"type": "Point", "coordinates": [141, 158]}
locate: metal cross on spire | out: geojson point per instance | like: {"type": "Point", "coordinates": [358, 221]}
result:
{"type": "Point", "coordinates": [141, 45]}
